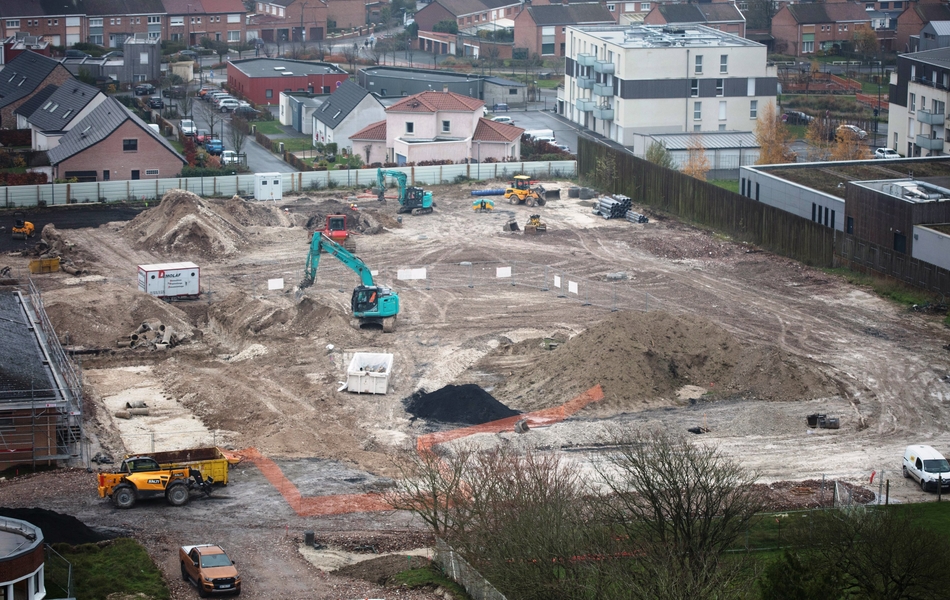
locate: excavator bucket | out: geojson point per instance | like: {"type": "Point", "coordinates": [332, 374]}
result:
{"type": "Point", "coordinates": [511, 225]}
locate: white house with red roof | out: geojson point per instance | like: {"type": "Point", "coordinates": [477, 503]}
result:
{"type": "Point", "coordinates": [437, 126]}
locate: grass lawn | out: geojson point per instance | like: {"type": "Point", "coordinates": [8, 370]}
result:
{"type": "Point", "coordinates": [797, 131]}
{"type": "Point", "coordinates": [14, 170]}
{"type": "Point", "coordinates": [177, 145]}
{"type": "Point", "coordinates": [728, 184]}
{"type": "Point", "coordinates": [269, 128]}
{"type": "Point", "coordinates": [95, 570]}
{"type": "Point", "coordinates": [296, 144]}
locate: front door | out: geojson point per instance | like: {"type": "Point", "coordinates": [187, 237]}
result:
{"type": "Point", "coordinates": [105, 174]}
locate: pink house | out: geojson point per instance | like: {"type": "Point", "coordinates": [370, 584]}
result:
{"type": "Point", "coordinates": [437, 126]}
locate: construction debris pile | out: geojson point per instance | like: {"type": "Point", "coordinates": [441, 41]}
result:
{"type": "Point", "coordinates": [153, 335]}
{"type": "Point", "coordinates": [467, 404]}
{"type": "Point", "coordinates": [51, 253]}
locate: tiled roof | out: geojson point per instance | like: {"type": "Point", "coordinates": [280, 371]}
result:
{"type": "Point", "coordinates": [933, 12]}
{"type": "Point", "coordinates": [375, 131]}
{"type": "Point", "coordinates": [97, 126]}
{"type": "Point", "coordinates": [490, 131]}
{"type": "Point", "coordinates": [341, 103]}
{"type": "Point", "coordinates": [183, 7]}
{"type": "Point", "coordinates": [699, 13]}
{"type": "Point", "coordinates": [462, 7]}
{"type": "Point", "coordinates": [123, 7]}
{"type": "Point", "coordinates": [40, 8]}
{"type": "Point", "coordinates": [23, 75]}
{"type": "Point", "coordinates": [717, 12]}
{"type": "Point", "coordinates": [432, 101]}
{"type": "Point", "coordinates": [62, 107]}
{"type": "Point", "coordinates": [828, 13]}
{"type": "Point", "coordinates": [573, 14]}
{"type": "Point", "coordinates": [223, 6]}
{"type": "Point", "coordinates": [26, 109]}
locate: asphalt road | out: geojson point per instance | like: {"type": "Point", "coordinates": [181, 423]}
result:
{"type": "Point", "coordinates": [259, 159]}
{"type": "Point", "coordinates": [63, 217]}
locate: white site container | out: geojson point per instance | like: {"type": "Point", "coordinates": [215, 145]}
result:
{"type": "Point", "coordinates": [368, 373]}
{"type": "Point", "coordinates": [268, 186]}
{"type": "Point", "coordinates": [170, 280]}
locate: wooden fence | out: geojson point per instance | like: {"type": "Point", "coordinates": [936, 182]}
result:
{"type": "Point", "coordinates": [700, 202]}
{"type": "Point", "coordinates": [866, 257]}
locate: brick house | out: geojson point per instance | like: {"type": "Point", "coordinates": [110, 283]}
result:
{"type": "Point", "coordinates": [541, 28]}
{"type": "Point", "coordinates": [23, 77]}
{"type": "Point", "coordinates": [60, 24]}
{"type": "Point", "coordinates": [346, 14]}
{"type": "Point", "coordinates": [437, 126]}
{"type": "Point", "coordinates": [109, 22]}
{"type": "Point", "coordinates": [194, 20]}
{"type": "Point", "coordinates": [69, 104]}
{"type": "Point", "coordinates": [724, 17]}
{"type": "Point", "coordinates": [802, 29]}
{"type": "Point", "coordinates": [114, 137]}
{"type": "Point", "coordinates": [466, 13]}
{"type": "Point", "coordinates": [261, 80]}
{"type": "Point", "coordinates": [289, 20]}
{"type": "Point", "coordinates": [912, 20]}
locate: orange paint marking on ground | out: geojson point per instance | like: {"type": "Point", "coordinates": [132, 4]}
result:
{"type": "Point", "coordinates": [312, 506]}
{"type": "Point", "coordinates": [547, 416]}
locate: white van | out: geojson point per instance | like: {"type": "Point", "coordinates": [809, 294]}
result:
{"type": "Point", "coordinates": [927, 466]}
{"type": "Point", "coordinates": [536, 133]}
{"type": "Point", "coordinates": [546, 138]}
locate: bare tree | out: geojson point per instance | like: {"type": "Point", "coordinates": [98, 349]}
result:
{"type": "Point", "coordinates": [350, 54]}
{"type": "Point", "coordinates": [430, 486]}
{"type": "Point", "coordinates": [238, 133]}
{"type": "Point", "coordinates": [773, 137]}
{"type": "Point", "coordinates": [491, 53]}
{"type": "Point", "coordinates": [186, 103]}
{"type": "Point", "coordinates": [681, 507]}
{"type": "Point", "coordinates": [378, 51]}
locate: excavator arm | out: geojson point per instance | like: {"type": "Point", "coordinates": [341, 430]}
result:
{"type": "Point", "coordinates": [400, 178]}
{"type": "Point", "coordinates": [321, 242]}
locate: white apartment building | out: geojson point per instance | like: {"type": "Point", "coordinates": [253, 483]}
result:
{"type": "Point", "coordinates": [917, 114]}
{"type": "Point", "coordinates": [631, 82]}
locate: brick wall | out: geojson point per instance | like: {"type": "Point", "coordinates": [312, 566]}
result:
{"type": "Point", "coordinates": [151, 154]}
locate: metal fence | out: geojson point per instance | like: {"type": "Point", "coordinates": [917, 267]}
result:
{"type": "Point", "coordinates": [464, 574]}
{"type": "Point", "coordinates": [228, 185]}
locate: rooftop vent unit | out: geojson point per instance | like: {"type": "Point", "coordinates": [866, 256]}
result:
{"type": "Point", "coordinates": [286, 73]}
{"type": "Point", "coordinates": [278, 68]}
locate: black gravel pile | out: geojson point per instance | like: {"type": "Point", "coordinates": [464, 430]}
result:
{"type": "Point", "coordinates": [467, 404]}
{"type": "Point", "coordinates": [57, 528]}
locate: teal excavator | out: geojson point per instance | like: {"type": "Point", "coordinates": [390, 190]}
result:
{"type": "Point", "coordinates": [373, 305]}
{"type": "Point", "coordinates": [412, 199]}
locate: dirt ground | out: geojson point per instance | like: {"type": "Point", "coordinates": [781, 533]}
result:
{"type": "Point", "coordinates": [737, 341]}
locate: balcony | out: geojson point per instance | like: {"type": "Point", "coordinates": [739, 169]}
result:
{"type": "Point", "coordinates": [602, 66]}
{"type": "Point", "coordinates": [603, 89]}
{"type": "Point", "coordinates": [604, 113]}
{"type": "Point", "coordinates": [925, 116]}
{"type": "Point", "coordinates": [585, 83]}
{"type": "Point", "coordinates": [585, 105]}
{"type": "Point", "coordinates": [928, 143]}
{"type": "Point", "coordinates": [586, 60]}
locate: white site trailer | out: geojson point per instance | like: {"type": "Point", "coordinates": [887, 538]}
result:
{"type": "Point", "coordinates": [172, 281]}
{"type": "Point", "coordinates": [268, 186]}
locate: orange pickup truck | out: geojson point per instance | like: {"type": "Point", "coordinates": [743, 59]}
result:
{"type": "Point", "coordinates": [210, 569]}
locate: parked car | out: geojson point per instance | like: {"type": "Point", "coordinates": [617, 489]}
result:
{"type": "Point", "coordinates": [189, 54]}
{"type": "Point", "coordinates": [886, 153]}
{"type": "Point", "coordinates": [187, 127]}
{"type": "Point", "coordinates": [796, 117]}
{"type": "Point", "coordinates": [204, 92]}
{"type": "Point", "coordinates": [247, 112]}
{"type": "Point", "coordinates": [216, 95]}
{"type": "Point", "coordinates": [202, 136]}
{"type": "Point", "coordinates": [218, 98]}
{"type": "Point", "coordinates": [563, 148]}
{"type": "Point", "coordinates": [76, 54]}
{"type": "Point", "coordinates": [230, 157]}
{"type": "Point", "coordinates": [176, 91]}
{"type": "Point", "coordinates": [156, 102]}
{"type": "Point", "coordinates": [227, 104]}
{"type": "Point", "coordinates": [499, 106]}
{"type": "Point", "coordinates": [214, 146]}
{"type": "Point", "coordinates": [507, 120]}
{"type": "Point", "coordinates": [144, 89]}
{"type": "Point", "coordinates": [854, 130]}
{"type": "Point", "coordinates": [927, 466]}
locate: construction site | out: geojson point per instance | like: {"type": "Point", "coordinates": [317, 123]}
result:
{"type": "Point", "coordinates": [542, 338]}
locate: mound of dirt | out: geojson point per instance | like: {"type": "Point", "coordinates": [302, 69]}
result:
{"type": "Point", "coordinates": [468, 404]}
{"type": "Point", "coordinates": [254, 213]}
{"type": "Point", "coordinates": [240, 316]}
{"type": "Point", "coordinates": [185, 225]}
{"type": "Point", "coordinates": [643, 357]}
{"type": "Point", "coordinates": [380, 570]}
{"type": "Point", "coordinates": [98, 319]}
{"type": "Point", "coordinates": [57, 528]}
{"type": "Point", "coordinates": [362, 219]}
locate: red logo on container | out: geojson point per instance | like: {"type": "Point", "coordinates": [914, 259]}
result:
{"type": "Point", "coordinates": [161, 274]}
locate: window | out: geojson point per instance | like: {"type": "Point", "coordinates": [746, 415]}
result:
{"type": "Point", "coordinates": [629, 7]}
{"type": "Point", "coordinates": [96, 39]}
{"type": "Point", "coordinates": [699, 64]}
{"type": "Point", "coordinates": [49, 22]}
{"type": "Point", "coordinates": [446, 126]}
{"type": "Point", "coordinates": [118, 20]}
{"type": "Point", "coordinates": [754, 109]}
{"type": "Point", "coordinates": [720, 90]}
{"type": "Point", "coordinates": [724, 63]}
{"type": "Point", "coordinates": [143, 58]}
{"type": "Point", "coordinates": [722, 110]}
{"type": "Point", "coordinates": [851, 225]}
{"type": "Point", "coordinates": [697, 128]}
{"type": "Point", "coordinates": [55, 21]}
{"type": "Point", "coordinates": [95, 22]}
{"type": "Point", "coordinates": [13, 23]}
{"type": "Point", "coordinates": [268, 93]}
{"type": "Point", "coordinates": [644, 6]}
{"type": "Point", "coordinates": [547, 41]}
{"type": "Point", "coordinates": [697, 110]}
{"type": "Point", "coordinates": [130, 145]}
{"type": "Point", "coordinates": [112, 21]}
{"type": "Point", "coordinates": [410, 127]}
{"type": "Point", "coordinates": [177, 21]}
{"type": "Point", "coordinates": [154, 20]}
{"type": "Point", "coordinates": [511, 92]}
{"type": "Point", "coordinates": [198, 21]}
{"type": "Point", "coordinates": [722, 127]}
{"type": "Point", "coordinates": [234, 18]}
{"type": "Point", "coordinates": [693, 88]}
{"type": "Point", "coordinates": [611, 7]}
{"type": "Point", "coordinates": [151, 171]}
{"type": "Point", "coordinates": [234, 36]}
{"type": "Point", "coordinates": [138, 20]}
{"type": "Point", "coordinates": [913, 102]}
{"type": "Point", "coordinates": [154, 35]}
{"type": "Point", "coordinates": [808, 47]}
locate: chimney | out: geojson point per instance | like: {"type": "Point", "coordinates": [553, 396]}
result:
{"type": "Point", "coordinates": [445, 88]}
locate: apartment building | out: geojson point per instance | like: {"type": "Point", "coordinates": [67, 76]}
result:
{"type": "Point", "coordinates": [629, 82]}
{"type": "Point", "coordinates": [916, 121]}
{"type": "Point", "coordinates": [195, 20]}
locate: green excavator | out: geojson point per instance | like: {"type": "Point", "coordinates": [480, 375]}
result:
{"type": "Point", "coordinates": [414, 200]}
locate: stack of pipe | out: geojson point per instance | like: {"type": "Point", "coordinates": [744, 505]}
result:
{"type": "Point", "coordinates": [635, 217]}
{"type": "Point", "coordinates": [615, 207]}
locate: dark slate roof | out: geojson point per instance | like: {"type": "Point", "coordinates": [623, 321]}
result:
{"type": "Point", "coordinates": [39, 98]}
{"type": "Point", "coordinates": [41, 8]}
{"type": "Point", "coordinates": [340, 103]}
{"type": "Point", "coordinates": [681, 13]}
{"type": "Point", "coordinates": [124, 7]}
{"type": "Point", "coordinates": [22, 373]}
{"type": "Point", "coordinates": [97, 126]}
{"type": "Point", "coordinates": [62, 107]}
{"type": "Point", "coordinates": [721, 11]}
{"type": "Point", "coordinates": [23, 75]}
{"type": "Point", "coordinates": [574, 14]}
{"type": "Point", "coordinates": [938, 57]}
{"type": "Point", "coordinates": [933, 12]}
{"type": "Point", "coordinates": [828, 13]}
{"type": "Point", "coordinates": [504, 82]}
